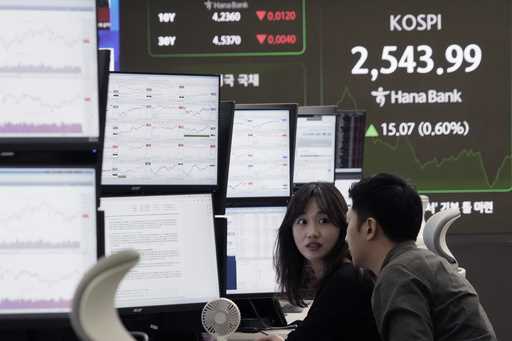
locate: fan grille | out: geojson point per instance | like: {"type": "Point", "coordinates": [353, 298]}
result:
{"type": "Point", "coordinates": [220, 317]}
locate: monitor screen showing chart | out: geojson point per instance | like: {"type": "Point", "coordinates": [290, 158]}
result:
{"type": "Point", "coordinates": [252, 233]}
{"type": "Point", "coordinates": [161, 130]}
{"type": "Point", "coordinates": [48, 66]}
{"type": "Point", "coordinates": [176, 239]}
{"type": "Point", "coordinates": [47, 239]}
{"type": "Point", "coordinates": [315, 149]}
{"type": "Point", "coordinates": [260, 154]}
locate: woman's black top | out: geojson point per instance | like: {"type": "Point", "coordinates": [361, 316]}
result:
{"type": "Point", "coordinates": [341, 309]}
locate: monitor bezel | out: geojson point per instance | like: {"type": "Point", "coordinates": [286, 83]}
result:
{"type": "Point", "coordinates": [59, 319]}
{"type": "Point", "coordinates": [226, 114]}
{"type": "Point", "coordinates": [155, 189]}
{"type": "Point", "coordinates": [269, 294]}
{"type": "Point", "coordinates": [272, 200]}
{"type": "Point", "coordinates": [141, 310]}
{"type": "Point", "coordinates": [15, 144]}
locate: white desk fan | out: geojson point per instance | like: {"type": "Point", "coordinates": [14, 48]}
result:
{"type": "Point", "coordinates": [220, 318]}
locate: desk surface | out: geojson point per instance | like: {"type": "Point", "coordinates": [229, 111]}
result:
{"type": "Point", "coordinates": [253, 336]}
{"type": "Point", "coordinates": [290, 317]}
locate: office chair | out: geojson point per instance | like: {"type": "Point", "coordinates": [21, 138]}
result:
{"type": "Point", "coordinates": [424, 204]}
{"type": "Point", "coordinates": [434, 235]}
{"type": "Point", "coordinates": [93, 314]}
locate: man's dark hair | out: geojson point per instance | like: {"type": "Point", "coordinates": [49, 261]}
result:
{"type": "Point", "coordinates": [392, 202]}
{"type": "Point", "coordinates": [289, 262]}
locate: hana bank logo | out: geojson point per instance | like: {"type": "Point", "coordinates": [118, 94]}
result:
{"type": "Point", "coordinates": [208, 4]}
{"type": "Point", "coordinates": [225, 5]}
{"type": "Point", "coordinates": [430, 96]}
{"type": "Point", "coordinates": [380, 96]}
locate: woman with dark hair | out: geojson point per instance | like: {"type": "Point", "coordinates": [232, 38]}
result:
{"type": "Point", "coordinates": [312, 236]}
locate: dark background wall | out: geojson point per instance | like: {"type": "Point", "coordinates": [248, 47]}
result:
{"type": "Point", "coordinates": [465, 161]}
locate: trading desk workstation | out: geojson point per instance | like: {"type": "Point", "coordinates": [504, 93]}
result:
{"type": "Point", "coordinates": [95, 161]}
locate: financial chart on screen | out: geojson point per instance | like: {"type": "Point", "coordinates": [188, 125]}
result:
{"type": "Point", "coordinates": [48, 66]}
{"type": "Point", "coordinates": [47, 239]}
{"type": "Point", "coordinates": [175, 237]}
{"type": "Point", "coordinates": [314, 149]}
{"type": "Point", "coordinates": [161, 130]}
{"type": "Point", "coordinates": [252, 233]}
{"type": "Point", "coordinates": [260, 154]}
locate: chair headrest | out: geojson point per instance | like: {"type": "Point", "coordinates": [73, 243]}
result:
{"type": "Point", "coordinates": [93, 314]}
{"type": "Point", "coordinates": [434, 233]}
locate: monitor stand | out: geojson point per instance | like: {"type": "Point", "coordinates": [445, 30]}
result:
{"type": "Point", "coordinates": [260, 313]}
{"type": "Point", "coordinates": [179, 325]}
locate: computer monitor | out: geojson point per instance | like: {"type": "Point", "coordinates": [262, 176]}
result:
{"type": "Point", "coordinates": [47, 240]}
{"type": "Point", "coordinates": [262, 150]}
{"type": "Point", "coordinates": [49, 74]}
{"type": "Point", "coordinates": [315, 149]}
{"type": "Point", "coordinates": [345, 179]}
{"type": "Point", "coordinates": [161, 130]}
{"type": "Point", "coordinates": [175, 236]}
{"type": "Point", "coordinates": [349, 131]}
{"type": "Point", "coordinates": [252, 233]}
